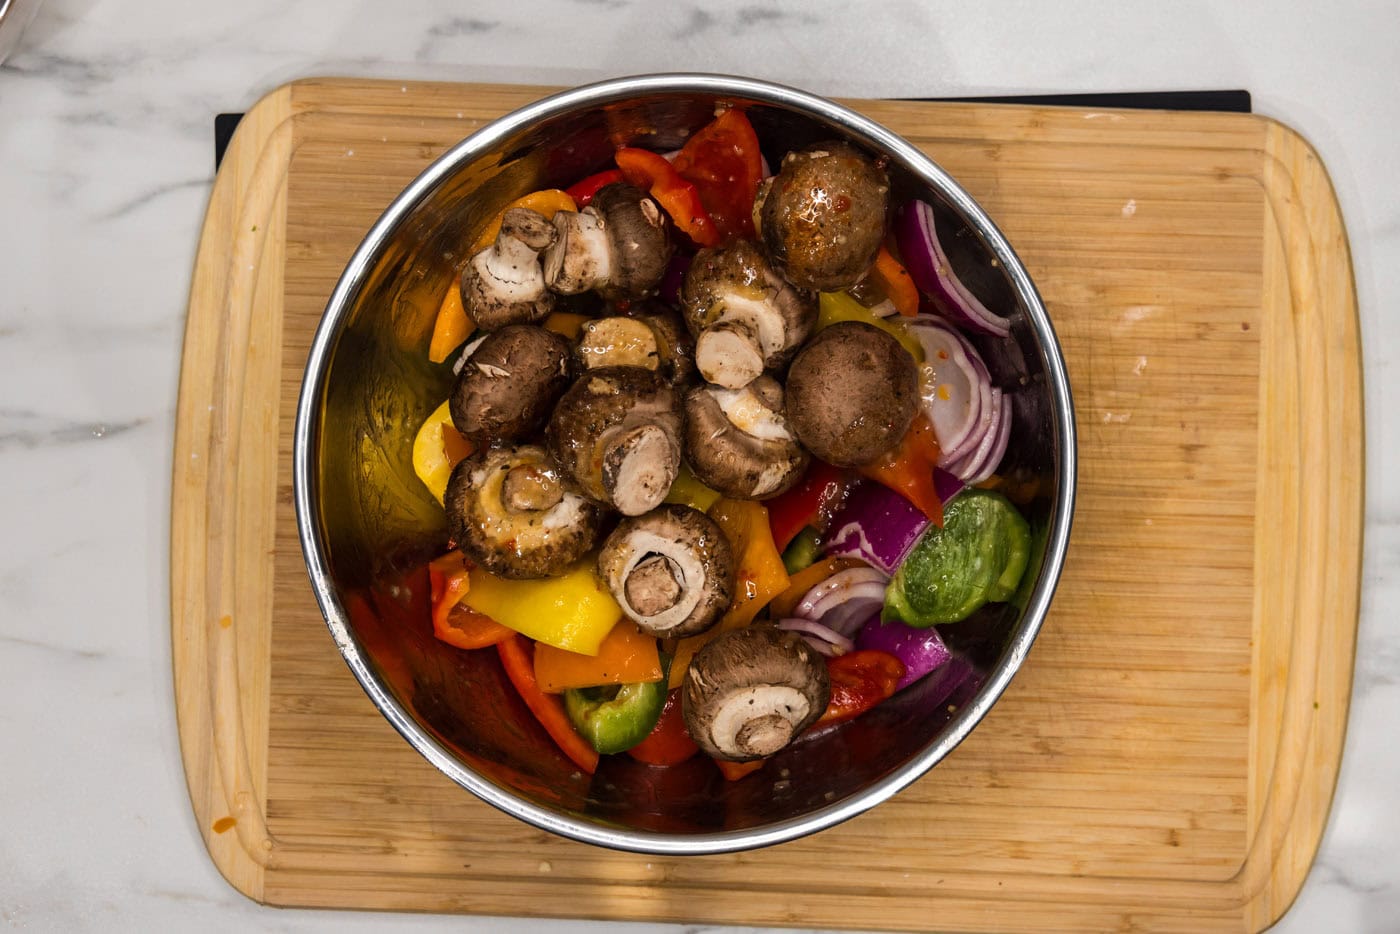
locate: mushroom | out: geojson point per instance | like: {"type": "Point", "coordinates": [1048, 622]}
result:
{"type": "Point", "coordinates": [671, 570]}
{"type": "Point", "coordinates": [744, 315]}
{"type": "Point", "coordinates": [655, 341]}
{"type": "Point", "coordinates": [617, 246]}
{"type": "Point", "coordinates": [508, 382]}
{"type": "Point", "coordinates": [503, 283]}
{"type": "Point", "coordinates": [852, 394]}
{"type": "Point", "coordinates": [617, 431]}
{"type": "Point", "coordinates": [737, 441]}
{"type": "Point", "coordinates": [823, 217]}
{"type": "Point", "coordinates": [750, 692]}
{"type": "Point", "coordinates": [511, 511]}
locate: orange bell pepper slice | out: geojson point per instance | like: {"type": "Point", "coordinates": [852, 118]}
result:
{"type": "Point", "coordinates": [452, 327]}
{"type": "Point", "coordinates": [899, 285]}
{"type": "Point", "coordinates": [760, 577]}
{"type": "Point", "coordinates": [678, 197]}
{"type": "Point", "coordinates": [733, 771]}
{"type": "Point", "coordinates": [519, 665]}
{"type": "Point", "coordinates": [626, 656]}
{"type": "Point", "coordinates": [908, 470]}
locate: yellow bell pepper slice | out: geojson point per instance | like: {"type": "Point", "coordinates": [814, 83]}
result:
{"type": "Point", "coordinates": [566, 324]}
{"type": "Point", "coordinates": [687, 490]}
{"type": "Point", "coordinates": [760, 577]}
{"type": "Point", "coordinates": [573, 611]}
{"type": "Point", "coordinates": [839, 306]}
{"type": "Point", "coordinates": [626, 656]}
{"type": "Point", "coordinates": [437, 448]}
{"type": "Point", "coordinates": [546, 202]}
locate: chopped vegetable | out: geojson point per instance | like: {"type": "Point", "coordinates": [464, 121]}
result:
{"type": "Point", "coordinates": [573, 611]}
{"type": "Point", "coordinates": [689, 491]}
{"type": "Point", "coordinates": [977, 557]}
{"type": "Point", "coordinates": [898, 286]}
{"type": "Point", "coordinates": [546, 202]}
{"type": "Point", "coordinates": [733, 771]}
{"type": "Point", "coordinates": [876, 525]}
{"type": "Point", "coordinates": [822, 638]}
{"type": "Point", "coordinates": [723, 161]}
{"type": "Point", "coordinates": [785, 604]}
{"type": "Point", "coordinates": [678, 197]}
{"type": "Point", "coordinates": [451, 327]}
{"type": "Point", "coordinates": [548, 709]}
{"type": "Point", "coordinates": [933, 274]}
{"type": "Point", "coordinates": [614, 718]}
{"type": "Point", "coordinates": [566, 324]}
{"type": "Point", "coordinates": [838, 306]}
{"type": "Point", "coordinates": [669, 742]}
{"type": "Point", "coordinates": [921, 650]}
{"type": "Point", "coordinates": [583, 191]}
{"type": "Point", "coordinates": [955, 386]}
{"type": "Point", "coordinates": [437, 448]}
{"type": "Point", "coordinates": [845, 600]}
{"type": "Point", "coordinates": [908, 469]}
{"type": "Point", "coordinates": [625, 656]}
{"type": "Point", "coordinates": [859, 681]}
{"type": "Point", "coordinates": [819, 490]}
{"type": "Point", "coordinates": [457, 625]}
{"type": "Point", "coordinates": [803, 551]}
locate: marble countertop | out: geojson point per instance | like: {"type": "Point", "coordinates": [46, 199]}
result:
{"type": "Point", "coordinates": [105, 167]}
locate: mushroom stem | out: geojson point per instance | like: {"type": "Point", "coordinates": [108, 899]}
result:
{"type": "Point", "coordinates": [504, 284]}
{"type": "Point", "coordinates": [581, 255]}
{"type": "Point", "coordinates": [639, 466]}
{"type": "Point", "coordinates": [729, 354]}
{"type": "Point", "coordinates": [653, 586]}
{"type": "Point", "coordinates": [526, 488]}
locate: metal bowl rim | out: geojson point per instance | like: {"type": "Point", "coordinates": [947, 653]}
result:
{"type": "Point", "coordinates": [313, 390]}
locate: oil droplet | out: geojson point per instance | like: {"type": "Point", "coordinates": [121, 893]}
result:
{"type": "Point", "coordinates": [224, 824]}
{"type": "Point", "coordinates": [225, 621]}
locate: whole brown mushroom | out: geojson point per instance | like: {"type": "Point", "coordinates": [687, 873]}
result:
{"type": "Point", "coordinates": [617, 246]}
{"type": "Point", "coordinates": [509, 381]}
{"type": "Point", "coordinates": [514, 513]}
{"type": "Point", "coordinates": [852, 394]}
{"type": "Point", "coordinates": [823, 216]}
{"type": "Point", "coordinates": [752, 691]}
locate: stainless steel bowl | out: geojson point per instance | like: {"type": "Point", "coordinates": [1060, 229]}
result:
{"type": "Point", "coordinates": [366, 523]}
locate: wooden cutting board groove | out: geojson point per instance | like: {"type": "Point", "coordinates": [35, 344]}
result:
{"type": "Point", "coordinates": [1164, 760]}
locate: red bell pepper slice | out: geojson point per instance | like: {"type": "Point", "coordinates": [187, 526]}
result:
{"type": "Point", "coordinates": [517, 658]}
{"type": "Point", "coordinates": [583, 191]}
{"type": "Point", "coordinates": [859, 681]}
{"type": "Point", "coordinates": [724, 163]}
{"type": "Point", "coordinates": [908, 470]}
{"type": "Point", "coordinates": [678, 197]}
{"type": "Point", "coordinates": [453, 623]}
{"type": "Point", "coordinates": [789, 513]}
{"type": "Point", "coordinates": [669, 743]}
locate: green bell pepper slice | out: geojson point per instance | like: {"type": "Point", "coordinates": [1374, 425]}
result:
{"type": "Point", "coordinates": [616, 717]}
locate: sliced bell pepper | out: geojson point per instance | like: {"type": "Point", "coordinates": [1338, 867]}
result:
{"type": "Point", "coordinates": [452, 326]}
{"type": "Point", "coordinates": [898, 285]}
{"type": "Point", "coordinates": [859, 681]}
{"type": "Point", "coordinates": [625, 656]}
{"type": "Point", "coordinates": [614, 718]}
{"type": "Point", "coordinates": [803, 551]}
{"type": "Point", "coordinates": [791, 512]}
{"type": "Point", "coordinates": [908, 469]}
{"type": "Point", "coordinates": [449, 580]}
{"type": "Point", "coordinates": [687, 490]}
{"type": "Point", "coordinates": [760, 575]}
{"type": "Point", "coordinates": [566, 324]}
{"type": "Point", "coordinates": [783, 605]}
{"type": "Point", "coordinates": [437, 448]}
{"type": "Point", "coordinates": [669, 742]}
{"type": "Point", "coordinates": [546, 202]}
{"type": "Point", "coordinates": [838, 306]}
{"type": "Point", "coordinates": [573, 611]}
{"type": "Point", "coordinates": [723, 161]}
{"type": "Point", "coordinates": [733, 771]}
{"type": "Point", "coordinates": [548, 709]}
{"type": "Point", "coordinates": [583, 191]}
{"type": "Point", "coordinates": [678, 197]}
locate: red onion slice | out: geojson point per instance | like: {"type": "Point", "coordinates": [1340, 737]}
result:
{"type": "Point", "coordinates": [928, 265]}
{"type": "Point", "coordinates": [824, 639]}
{"type": "Point", "coordinates": [967, 466]}
{"type": "Point", "coordinates": [948, 382]}
{"type": "Point", "coordinates": [998, 450]}
{"type": "Point", "coordinates": [832, 591]}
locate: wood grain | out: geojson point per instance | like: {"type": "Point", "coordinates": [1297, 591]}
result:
{"type": "Point", "coordinates": [1164, 760]}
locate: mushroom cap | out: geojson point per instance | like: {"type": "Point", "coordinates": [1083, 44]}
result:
{"type": "Point", "coordinates": [671, 570]}
{"type": "Point", "coordinates": [617, 433]}
{"type": "Point", "coordinates": [509, 383]}
{"type": "Point", "coordinates": [641, 246]}
{"type": "Point", "coordinates": [823, 217]}
{"type": "Point", "coordinates": [504, 283]}
{"type": "Point", "coordinates": [738, 284]}
{"type": "Point", "coordinates": [512, 511]}
{"type": "Point", "coordinates": [852, 394]}
{"type": "Point", "coordinates": [750, 692]}
{"type": "Point", "coordinates": [739, 442]}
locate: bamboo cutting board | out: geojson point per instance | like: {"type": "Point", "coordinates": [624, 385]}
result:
{"type": "Point", "coordinates": [1164, 760]}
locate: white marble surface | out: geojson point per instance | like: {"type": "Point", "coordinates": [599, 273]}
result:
{"type": "Point", "coordinates": [105, 167]}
